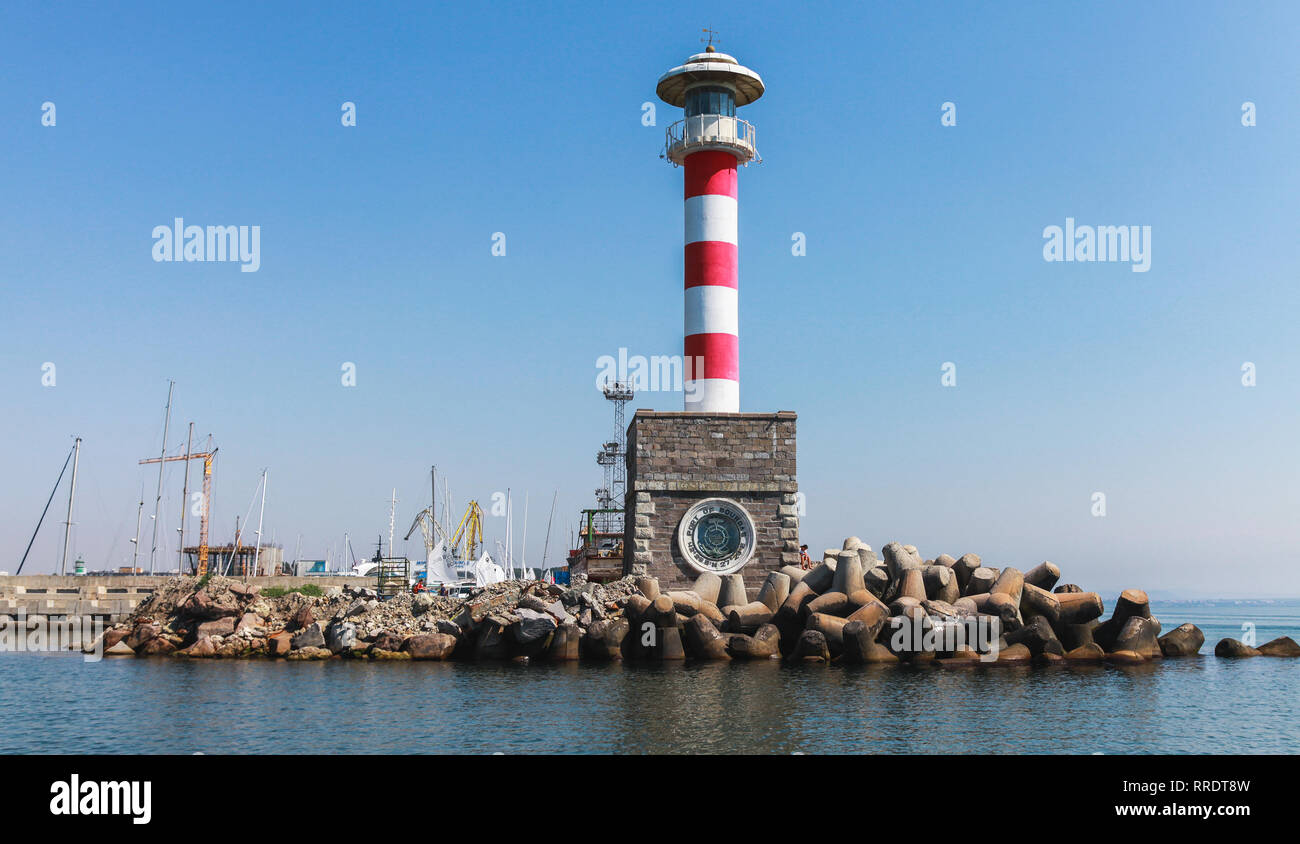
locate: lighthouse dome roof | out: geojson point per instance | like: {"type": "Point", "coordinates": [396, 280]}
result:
{"type": "Point", "coordinates": [710, 68]}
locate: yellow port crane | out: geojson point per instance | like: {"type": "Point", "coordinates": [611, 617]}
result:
{"type": "Point", "coordinates": [206, 503]}
{"type": "Point", "coordinates": [470, 532]}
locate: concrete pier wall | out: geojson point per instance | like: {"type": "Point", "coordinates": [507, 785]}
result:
{"type": "Point", "coordinates": [110, 597]}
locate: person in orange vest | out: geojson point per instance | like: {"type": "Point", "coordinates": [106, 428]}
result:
{"type": "Point", "coordinates": [418, 588]}
{"type": "Point", "coordinates": [805, 562]}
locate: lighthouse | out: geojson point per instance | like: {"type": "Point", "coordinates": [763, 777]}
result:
{"type": "Point", "coordinates": [709, 143]}
{"type": "Point", "coordinates": [711, 492]}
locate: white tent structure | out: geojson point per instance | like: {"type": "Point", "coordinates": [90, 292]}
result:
{"type": "Point", "coordinates": [487, 572]}
{"type": "Point", "coordinates": [439, 567]}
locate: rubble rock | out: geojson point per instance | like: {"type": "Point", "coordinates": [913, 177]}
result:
{"type": "Point", "coordinates": [309, 653]}
{"type": "Point", "coordinates": [216, 600]}
{"type": "Point", "coordinates": [308, 637]}
{"type": "Point", "coordinates": [341, 637]}
{"type": "Point", "coordinates": [430, 646]}
{"type": "Point", "coordinates": [249, 620]}
{"type": "Point", "coordinates": [219, 627]}
{"type": "Point", "coordinates": [141, 635]}
{"type": "Point", "coordinates": [301, 618]}
{"type": "Point", "coordinates": [533, 625]}
{"type": "Point", "coordinates": [279, 644]}
{"type": "Point", "coordinates": [157, 646]}
{"type": "Point", "coordinates": [202, 649]}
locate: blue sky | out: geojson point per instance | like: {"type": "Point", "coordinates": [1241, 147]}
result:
{"type": "Point", "coordinates": [924, 246]}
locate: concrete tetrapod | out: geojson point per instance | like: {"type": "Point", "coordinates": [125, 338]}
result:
{"type": "Point", "coordinates": [811, 647]}
{"type": "Point", "coordinates": [898, 560]}
{"type": "Point", "coordinates": [848, 573]}
{"type": "Point", "coordinates": [648, 586]}
{"type": "Point", "coordinates": [764, 644]}
{"type": "Point", "coordinates": [940, 583]}
{"type": "Point", "coordinates": [834, 603]}
{"type": "Point", "coordinates": [860, 645]}
{"type": "Point", "coordinates": [1011, 583]}
{"type": "Point", "coordinates": [831, 627]}
{"type": "Point", "coordinates": [1184, 640]}
{"type": "Point", "coordinates": [733, 591]}
{"type": "Point", "coordinates": [703, 641]}
{"type": "Point", "coordinates": [1139, 636]}
{"type": "Point", "coordinates": [980, 581]}
{"type": "Point", "coordinates": [912, 585]}
{"type": "Point", "coordinates": [1233, 649]}
{"type": "Point", "coordinates": [965, 565]}
{"type": "Point", "coordinates": [877, 580]}
{"type": "Point", "coordinates": [1281, 646]}
{"type": "Point", "coordinates": [1132, 603]}
{"type": "Point", "coordinates": [748, 618]}
{"type": "Point", "coordinates": [1044, 575]}
{"type": "Point", "coordinates": [1079, 607]}
{"type": "Point", "coordinates": [775, 590]}
{"type": "Point", "coordinates": [708, 586]}
{"type": "Point", "coordinates": [1036, 601]}
{"type": "Point", "coordinates": [820, 578]}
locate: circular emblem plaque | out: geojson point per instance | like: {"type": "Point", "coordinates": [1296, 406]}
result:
{"type": "Point", "coordinates": [716, 535]}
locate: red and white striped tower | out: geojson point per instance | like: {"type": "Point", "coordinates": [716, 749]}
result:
{"type": "Point", "coordinates": [709, 143]}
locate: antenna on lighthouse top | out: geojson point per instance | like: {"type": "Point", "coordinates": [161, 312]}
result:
{"type": "Point", "coordinates": [713, 36]}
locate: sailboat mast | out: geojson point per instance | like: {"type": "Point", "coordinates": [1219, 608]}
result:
{"type": "Point", "coordinates": [523, 554]}
{"type": "Point", "coordinates": [257, 554]}
{"type": "Point", "coordinates": [185, 501]}
{"type": "Point", "coordinates": [139, 514]}
{"type": "Point", "coordinates": [72, 493]}
{"type": "Point", "coordinates": [392, 516]}
{"type": "Point", "coordinates": [162, 461]}
{"type": "Point", "coordinates": [547, 544]}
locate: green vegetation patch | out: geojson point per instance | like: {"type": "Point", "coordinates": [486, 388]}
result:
{"type": "Point", "coordinates": [311, 590]}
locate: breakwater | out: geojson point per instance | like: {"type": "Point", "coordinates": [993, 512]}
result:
{"type": "Point", "coordinates": [851, 608]}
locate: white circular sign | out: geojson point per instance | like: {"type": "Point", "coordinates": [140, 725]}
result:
{"type": "Point", "coordinates": [716, 535]}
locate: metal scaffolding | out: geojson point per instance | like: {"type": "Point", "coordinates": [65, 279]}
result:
{"type": "Point", "coordinates": [612, 458]}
